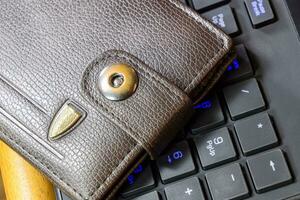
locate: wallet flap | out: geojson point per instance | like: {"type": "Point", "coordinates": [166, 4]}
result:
{"type": "Point", "coordinates": [155, 101]}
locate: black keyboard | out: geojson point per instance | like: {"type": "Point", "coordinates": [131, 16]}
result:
{"type": "Point", "coordinates": [243, 142]}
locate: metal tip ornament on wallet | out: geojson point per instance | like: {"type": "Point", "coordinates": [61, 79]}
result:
{"type": "Point", "coordinates": [66, 119]}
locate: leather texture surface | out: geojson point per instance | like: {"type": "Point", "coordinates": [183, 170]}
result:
{"type": "Point", "coordinates": [131, 114]}
{"type": "Point", "coordinates": [52, 51]}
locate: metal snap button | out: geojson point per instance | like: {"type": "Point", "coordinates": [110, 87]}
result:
{"type": "Point", "coordinates": [118, 82]}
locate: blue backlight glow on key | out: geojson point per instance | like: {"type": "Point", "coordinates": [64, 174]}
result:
{"type": "Point", "coordinates": [131, 177]}
{"type": "Point", "coordinates": [235, 65]}
{"type": "Point", "coordinates": [177, 155]}
{"type": "Point", "coordinates": [138, 170]}
{"type": "Point", "coordinates": [204, 105]}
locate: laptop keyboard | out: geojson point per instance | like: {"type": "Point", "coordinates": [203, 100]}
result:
{"type": "Point", "coordinates": [232, 148]}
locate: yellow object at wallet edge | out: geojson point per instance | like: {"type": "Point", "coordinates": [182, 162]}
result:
{"type": "Point", "coordinates": [20, 179]}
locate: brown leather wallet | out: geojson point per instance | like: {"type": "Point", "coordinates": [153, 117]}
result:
{"type": "Point", "coordinates": [89, 88]}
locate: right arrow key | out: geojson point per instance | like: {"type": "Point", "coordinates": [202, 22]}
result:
{"type": "Point", "coordinates": [269, 171]}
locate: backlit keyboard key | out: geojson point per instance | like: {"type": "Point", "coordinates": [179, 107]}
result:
{"type": "Point", "coordinates": [227, 183]}
{"type": "Point", "coordinates": [244, 98]}
{"type": "Point", "coordinates": [208, 113]}
{"type": "Point", "coordinates": [176, 163]}
{"type": "Point", "coordinates": [240, 68]}
{"type": "Point", "coordinates": [256, 133]}
{"type": "Point", "coordinates": [223, 17]}
{"type": "Point", "coordinates": [260, 12]}
{"type": "Point", "coordinates": [215, 148]}
{"type": "Point", "coordinates": [269, 171]}
{"type": "Point", "coordinates": [189, 189]}
{"type": "Point", "coordinates": [207, 4]}
{"type": "Point", "coordinates": [139, 180]}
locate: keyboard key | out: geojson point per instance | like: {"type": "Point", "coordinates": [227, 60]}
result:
{"type": "Point", "coordinates": [256, 134]}
{"type": "Point", "coordinates": [227, 183]}
{"type": "Point", "coordinates": [244, 98]}
{"type": "Point", "coordinates": [215, 148]}
{"type": "Point", "coordinates": [223, 17]}
{"type": "Point", "coordinates": [189, 189]}
{"type": "Point", "coordinates": [208, 113]}
{"type": "Point", "coordinates": [201, 5]}
{"type": "Point", "coordinates": [240, 67]}
{"type": "Point", "coordinates": [269, 171]}
{"type": "Point", "coordinates": [150, 196]}
{"type": "Point", "coordinates": [176, 163]}
{"type": "Point", "coordinates": [260, 12]}
{"type": "Point", "coordinates": [139, 180]}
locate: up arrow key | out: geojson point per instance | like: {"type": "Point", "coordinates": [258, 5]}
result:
{"type": "Point", "coordinates": [272, 164]}
{"type": "Point", "coordinates": [269, 170]}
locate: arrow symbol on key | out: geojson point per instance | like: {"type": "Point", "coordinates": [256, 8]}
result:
{"type": "Point", "coordinates": [272, 164]}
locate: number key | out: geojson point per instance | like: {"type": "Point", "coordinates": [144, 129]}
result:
{"type": "Point", "coordinates": [177, 162]}
{"type": "Point", "coordinates": [208, 113]}
{"type": "Point", "coordinates": [215, 148]}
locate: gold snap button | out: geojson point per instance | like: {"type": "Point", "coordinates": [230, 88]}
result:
{"type": "Point", "coordinates": [118, 82]}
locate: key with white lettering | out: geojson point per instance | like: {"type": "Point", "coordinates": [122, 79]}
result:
{"type": "Point", "coordinates": [269, 171]}
{"type": "Point", "coordinates": [227, 183]}
{"type": "Point", "coordinates": [223, 17]}
{"type": "Point", "coordinates": [189, 189]}
{"type": "Point", "coordinates": [215, 148]}
{"type": "Point", "coordinates": [244, 98]}
{"type": "Point", "coordinates": [256, 133]}
{"type": "Point", "coordinates": [260, 12]}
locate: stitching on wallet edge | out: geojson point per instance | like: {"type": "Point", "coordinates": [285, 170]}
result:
{"type": "Point", "coordinates": [199, 21]}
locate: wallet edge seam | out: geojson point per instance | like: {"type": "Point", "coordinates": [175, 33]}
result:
{"type": "Point", "coordinates": [226, 45]}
